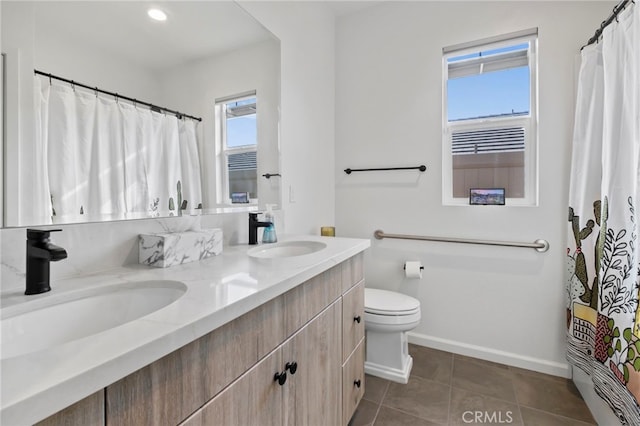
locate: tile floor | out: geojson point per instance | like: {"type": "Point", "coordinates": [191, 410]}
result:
{"type": "Point", "coordinates": [449, 389]}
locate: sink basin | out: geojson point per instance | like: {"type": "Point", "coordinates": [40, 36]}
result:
{"type": "Point", "coordinates": [286, 249]}
{"type": "Point", "coordinates": [81, 313]}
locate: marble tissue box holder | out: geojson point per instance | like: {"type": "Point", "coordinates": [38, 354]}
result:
{"type": "Point", "coordinates": [174, 248]}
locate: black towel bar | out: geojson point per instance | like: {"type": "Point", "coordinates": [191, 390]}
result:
{"type": "Point", "coordinates": [422, 168]}
{"type": "Point", "coordinates": [270, 175]}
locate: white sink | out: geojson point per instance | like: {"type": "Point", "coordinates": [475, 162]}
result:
{"type": "Point", "coordinates": [286, 249]}
{"type": "Point", "coordinates": [81, 313]}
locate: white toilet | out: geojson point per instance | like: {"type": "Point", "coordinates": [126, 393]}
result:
{"type": "Point", "coordinates": [388, 316]}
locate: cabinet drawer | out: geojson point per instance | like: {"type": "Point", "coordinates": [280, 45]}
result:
{"type": "Point", "coordinates": [352, 382]}
{"type": "Point", "coordinates": [352, 319]}
{"type": "Point", "coordinates": [352, 271]}
{"type": "Point", "coordinates": [307, 300]}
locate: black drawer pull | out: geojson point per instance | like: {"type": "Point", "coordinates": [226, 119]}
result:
{"type": "Point", "coordinates": [357, 319]}
{"type": "Point", "coordinates": [357, 383]}
{"type": "Point", "coordinates": [281, 378]}
{"type": "Point", "coordinates": [292, 367]}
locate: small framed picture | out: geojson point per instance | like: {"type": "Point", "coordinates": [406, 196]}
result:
{"type": "Point", "coordinates": [486, 196]}
{"type": "Point", "coordinates": [239, 197]}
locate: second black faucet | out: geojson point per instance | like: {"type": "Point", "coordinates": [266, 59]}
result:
{"type": "Point", "coordinates": [254, 224]}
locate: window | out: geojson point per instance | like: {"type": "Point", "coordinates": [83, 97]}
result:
{"type": "Point", "coordinates": [489, 105]}
{"type": "Point", "coordinates": [238, 143]}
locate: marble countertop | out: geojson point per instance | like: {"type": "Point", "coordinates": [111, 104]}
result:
{"type": "Point", "coordinates": [219, 289]}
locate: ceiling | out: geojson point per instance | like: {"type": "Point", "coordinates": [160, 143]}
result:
{"type": "Point", "coordinates": [193, 30]}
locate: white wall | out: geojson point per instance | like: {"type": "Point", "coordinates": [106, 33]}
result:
{"type": "Point", "coordinates": [497, 303]}
{"type": "Point", "coordinates": [306, 33]}
{"type": "Point", "coordinates": [194, 87]}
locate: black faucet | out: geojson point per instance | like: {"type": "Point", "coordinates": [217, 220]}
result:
{"type": "Point", "coordinates": [40, 251]}
{"type": "Point", "coordinates": [254, 224]}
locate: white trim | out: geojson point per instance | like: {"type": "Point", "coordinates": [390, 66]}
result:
{"type": "Point", "coordinates": [238, 97]}
{"type": "Point", "coordinates": [473, 45]}
{"type": "Point", "coordinates": [489, 354]}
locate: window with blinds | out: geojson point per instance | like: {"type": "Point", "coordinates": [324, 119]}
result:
{"type": "Point", "coordinates": [238, 148]}
{"type": "Point", "coordinates": [489, 118]}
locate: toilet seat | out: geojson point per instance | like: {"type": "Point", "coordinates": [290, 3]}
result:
{"type": "Point", "coordinates": [389, 303]}
{"type": "Point", "coordinates": [389, 311]}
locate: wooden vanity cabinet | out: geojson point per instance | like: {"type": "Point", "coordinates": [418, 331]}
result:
{"type": "Point", "coordinates": [308, 394]}
{"type": "Point", "coordinates": [227, 377]}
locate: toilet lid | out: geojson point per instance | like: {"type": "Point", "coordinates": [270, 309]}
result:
{"type": "Point", "coordinates": [386, 302]}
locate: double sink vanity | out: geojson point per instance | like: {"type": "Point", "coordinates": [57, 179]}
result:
{"type": "Point", "coordinates": [272, 334]}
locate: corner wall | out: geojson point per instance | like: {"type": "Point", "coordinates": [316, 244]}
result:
{"type": "Point", "coordinates": [307, 41]}
{"type": "Point", "coordinates": [497, 303]}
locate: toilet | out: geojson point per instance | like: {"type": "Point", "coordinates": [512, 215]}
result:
{"type": "Point", "coordinates": [388, 316]}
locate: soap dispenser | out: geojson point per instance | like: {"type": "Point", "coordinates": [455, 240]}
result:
{"type": "Point", "coordinates": [269, 233]}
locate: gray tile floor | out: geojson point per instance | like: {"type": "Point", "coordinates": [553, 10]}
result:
{"type": "Point", "coordinates": [448, 389]}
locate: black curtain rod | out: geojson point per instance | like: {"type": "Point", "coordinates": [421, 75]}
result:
{"type": "Point", "coordinates": [118, 96]}
{"type": "Point", "coordinates": [614, 16]}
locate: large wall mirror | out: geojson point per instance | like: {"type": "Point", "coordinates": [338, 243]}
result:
{"type": "Point", "coordinates": [81, 141]}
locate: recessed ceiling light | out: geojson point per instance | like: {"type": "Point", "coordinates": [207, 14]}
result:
{"type": "Point", "coordinates": [157, 14]}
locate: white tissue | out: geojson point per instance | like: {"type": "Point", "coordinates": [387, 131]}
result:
{"type": "Point", "coordinates": [413, 269]}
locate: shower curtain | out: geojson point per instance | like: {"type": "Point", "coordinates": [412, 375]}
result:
{"type": "Point", "coordinates": [105, 159]}
{"type": "Point", "coordinates": [603, 319]}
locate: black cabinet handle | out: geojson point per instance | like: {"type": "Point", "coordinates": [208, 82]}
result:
{"type": "Point", "coordinates": [292, 367]}
{"type": "Point", "coordinates": [357, 319]}
{"type": "Point", "coordinates": [281, 378]}
{"type": "Point", "coordinates": [357, 383]}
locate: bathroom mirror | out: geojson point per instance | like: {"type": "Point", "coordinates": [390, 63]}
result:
{"type": "Point", "coordinates": [202, 53]}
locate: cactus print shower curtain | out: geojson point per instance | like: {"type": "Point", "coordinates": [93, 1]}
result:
{"type": "Point", "coordinates": [603, 319]}
{"type": "Point", "coordinates": [103, 159]}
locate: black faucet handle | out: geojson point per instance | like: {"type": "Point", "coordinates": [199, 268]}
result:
{"type": "Point", "coordinates": [40, 234]}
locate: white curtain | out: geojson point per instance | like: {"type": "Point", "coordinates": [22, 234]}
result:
{"type": "Point", "coordinates": [603, 318]}
{"type": "Point", "coordinates": [105, 159]}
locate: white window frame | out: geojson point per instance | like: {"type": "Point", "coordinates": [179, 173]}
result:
{"type": "Point", "coordinates": [223, 152]}
{"type": "Point", "coordinates": [529, 122]}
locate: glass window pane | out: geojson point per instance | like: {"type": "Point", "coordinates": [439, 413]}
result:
{"type": "Point", "coordinates": [243, 173]}
{"type": "Point", "coordinates": [241, 131]}
{"type": "Point", "coordinates": [498, 93]}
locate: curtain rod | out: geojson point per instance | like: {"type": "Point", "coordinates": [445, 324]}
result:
{"type": "Point", "coordinates": [614, 16]}
{"type": "Point", "coordinates": [153, 107]}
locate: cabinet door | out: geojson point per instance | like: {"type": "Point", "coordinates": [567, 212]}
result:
{"type": "Point", "coordinates": [168, 390]}
{"type": "Point", "coordinates": [86, 412]}
{"type": "Point", "coordinates": [352, 319]}
{"type": "Point", "coordinates": [353, 382]}
{"type": "Point", "coordinates": [313, 395]}
{"type": "Point", "coordinates": [254, 399]}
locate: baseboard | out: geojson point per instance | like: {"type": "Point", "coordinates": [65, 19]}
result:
{"type": "Point", "coordinates": [488, 354]}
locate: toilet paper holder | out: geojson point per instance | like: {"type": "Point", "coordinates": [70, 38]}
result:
{"type": "Point", "coordinates": [404, 267]}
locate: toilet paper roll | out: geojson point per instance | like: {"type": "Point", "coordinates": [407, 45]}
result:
{"type": "Point", "coordinates": [413, 269]}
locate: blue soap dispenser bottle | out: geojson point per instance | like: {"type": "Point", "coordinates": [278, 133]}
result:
{"type": "Point", "coordinates": [269, 233]}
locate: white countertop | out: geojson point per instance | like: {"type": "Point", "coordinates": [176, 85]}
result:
{"type": "Point", "coordinates": [219, 289]}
